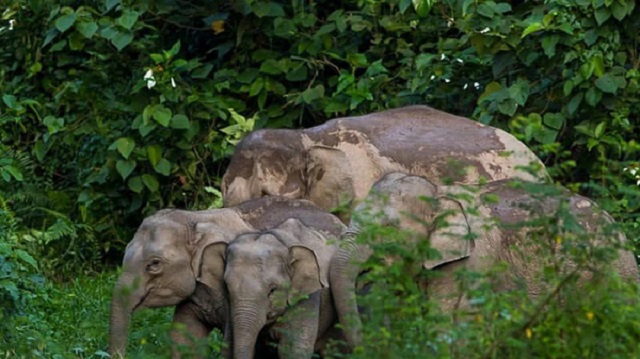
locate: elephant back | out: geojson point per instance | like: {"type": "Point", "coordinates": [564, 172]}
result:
{"type": "Point", "coordinates": [437, 145]}
{"type": "Point", "coordinates": [269, 212]}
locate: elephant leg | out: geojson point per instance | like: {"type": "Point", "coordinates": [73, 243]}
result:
{"type": "Point", "coordinates": [299, 330]}
{"type": "Point", "coordinates": [193, 328]}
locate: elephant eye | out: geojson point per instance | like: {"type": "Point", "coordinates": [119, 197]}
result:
{"type": "Point", "coordinates": [153, 266]}
{"type": "Point", "coordinates": [272, 289]}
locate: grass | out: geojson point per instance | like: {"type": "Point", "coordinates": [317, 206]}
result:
{"type": "Point", "coordinates": [71, 320]}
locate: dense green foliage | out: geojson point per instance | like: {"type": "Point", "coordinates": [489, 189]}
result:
{"type": "Point", "coordinates": [112, 109]}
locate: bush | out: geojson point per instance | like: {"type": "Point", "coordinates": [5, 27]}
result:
{"type": "Point", "coordinates": [569, 318]}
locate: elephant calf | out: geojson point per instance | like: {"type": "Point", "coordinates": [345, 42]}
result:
{"type": "Point", "coordinates": [278, 280]}
{"type": "Point", "coordinates": [176, 258]}
{"type": "Point", "coordinates": [483, 227]}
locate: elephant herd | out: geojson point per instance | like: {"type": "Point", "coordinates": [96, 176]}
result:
{"type": "Point", "coordinates": [277, 266]}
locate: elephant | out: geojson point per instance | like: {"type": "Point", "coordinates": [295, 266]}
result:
{"type": "Point", "coordinates": [337, 162]}
{"type": "Point", "coordinates": [174, 260]}
{"type": "Point", "coordinates": [278, 284]}
{"type": "Point", "coordinates": [488, 224]}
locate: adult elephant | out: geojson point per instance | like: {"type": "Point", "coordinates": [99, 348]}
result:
{"type": "Point", "coordinates": [278, 284]}
{"type": "Point", "coordinates": [175, 259]}
{"type": "Point", "coordinates": [339, 161]}
{"type": "Point", "coordinates": [484, 226]}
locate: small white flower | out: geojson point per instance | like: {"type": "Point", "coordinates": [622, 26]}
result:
{"type": "Point", "coordinates": [633, 171]}
{"type": "Point", "coordinates": [12, 22]}
{"type": "Point", "coordinates": [432, 77]}
{"type": "Point", "coordinates": [447, 80]}
{"type": "Point", "coordinates": [173, 82]}
{"type": "Point", "coordinates": [465, 86]}
{"type": "Point", "coordinates": [485, 30]}
{"type": "Point", "coordinates": [460, 61]}
{"type": "Point", "coordinates": [443, 57]}
{"type": "Point", "coordinates": [476, 85]}
{"type": "Point", "coordinates": [151, 81]}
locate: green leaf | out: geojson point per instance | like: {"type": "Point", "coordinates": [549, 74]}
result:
{"type": "Point", "coordinates": [598, 65]}
{"type": "Point", "coordinates": [298, 73]}
{"type": "Point", "coordinates": [87, 28]}
{"type": "Point", "coordinates": [602, 14]}
{"type": "Point", "coordinates": [618, 10]}
{"type": "Point", "coordinates": [536, 26]}
{"type": "Point", "coordinates": [554, 120]}
{"type": "Point", "coordinates": [573, 104]}
{"type": "Point", "coordinates": [163, 167]}
{"type": "Point", "coordinates": [508, 107]}
{"type": "Point", "coordinates": [125, 167]}
{"type": "Point", "coordinates": [180, 121]}
{"type": "Point", "coordinates": [271, 67]}
{"type": "Point", "coordinates": [27, 258]}
{"type": "Point", "coordinates": [485, 10]}
{"type": "Point", "coordinates": [502, 7]}
{"type": "Point", "coordinates": [422, 7]}
{"type": "Point", "coordinates": [162, 115]}
{"type": "Point", "coordinates": [549, 45]}
{"type": "Point", "coordinates": [357, 60]}
{"type": "Point", "coordinates": [593, 96]}
{"type": "Point", "coordinates": [64, 22]}
{"type": "Point", "coordinates": [128, 19]}
{"type": "Point", "coordinates": [312, 94]}
{"type": "Point", "coordinates": [125, 145]}
{"type": "Point", "coordinates": [15, 172]}
{"type": "Point", "coordinates": [599, 129]}
{"type": "Point", "coordinates": [519, 91]}
{"type": "Point", "coordinates": [202, 71]}
{"type": "Point", "coordinates": [271, 9]}
{"type": "Point", "coordinates": [111, 4]}
{"type": "Point", "coordinates": [121, 39]}
{"type": "Point", "coordinates": [11, 101]}
{"type": "Point", "coordinates": [135, 184]}
{"type": "Point", "coordinates": [151, 182]}
{"type": "Point", "coordinates": [154, 154]}
{"type": "Point", "coordinates": [607, 83]}
{"type": "Point", "coordinates": [173, 51]}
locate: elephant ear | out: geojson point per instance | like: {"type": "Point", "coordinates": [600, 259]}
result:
{"type": "Point", "coordinates": [209, 242]}
{"type": "Point", "coordinates": [328, 177]}
{"type": "Point", "coordinates": [306, 272]}
{"type": "Point", "coordinates": [452, 235]}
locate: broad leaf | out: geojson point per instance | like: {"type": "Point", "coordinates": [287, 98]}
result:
{"type": "Point", "coordinates": [121, 39]}
{"type": "Point", "coordinates": [87, 28]}
{"type": "Point", "coordinates": [607, 83]}
{"type": "Point", "coordinates": [64, 22]}
{"type": "Point", "coordinates": [125, 168]}
{"type": "Point", "coordinates": [151, 182]}
{"type": "Point", "coordinates": [125, 145]}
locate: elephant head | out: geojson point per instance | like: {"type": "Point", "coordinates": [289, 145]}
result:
{"type": "Point", "coordinates": [268, 271]}
{"type": "Point", "coordinates": [164, 260]}
{"type": "Point", "coordinates": [409, 203]}
{"type": "Point", "coordinates": [286, 163]}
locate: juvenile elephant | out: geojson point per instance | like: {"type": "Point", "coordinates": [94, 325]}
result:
{"type": "Point", "coordinates": [490, 224]}
{"type": "Point", "coordinates": [278, 285]}
{"type": "Point", "coordinates": [174, 259]}
{"type": "Point", "coordinates": [338, 161]}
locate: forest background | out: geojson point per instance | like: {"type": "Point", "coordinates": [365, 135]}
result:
{"type": "Point", "coordinates": [114, 109]}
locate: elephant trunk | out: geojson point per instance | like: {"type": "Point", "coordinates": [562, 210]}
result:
{"type": "Point", "coordinates": [248, 317]}
{"type": "Point", "coordinates": [344, 270]}
{"type": "Point", "coordinates": [123, 302]}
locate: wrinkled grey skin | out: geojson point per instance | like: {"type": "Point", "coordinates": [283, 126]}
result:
{"type": "Point", "coordinates": [176, 259]}
{"type": "Point", "coordinates": [280, 273]}
{"type": "Point", "coordinates": [499, 239]}
{"type": "Point", "coordinates": [338, 162]}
